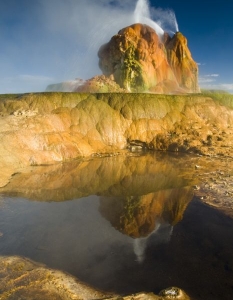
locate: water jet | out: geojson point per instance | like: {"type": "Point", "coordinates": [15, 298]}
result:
{"type": "Point", "coordinates": [142, 15]}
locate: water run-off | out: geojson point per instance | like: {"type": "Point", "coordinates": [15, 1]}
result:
{"type": "Point", "coordinates": [125, 224]}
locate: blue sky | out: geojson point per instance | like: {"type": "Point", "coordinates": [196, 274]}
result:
{"type": "Point", "coordinates": [48, 41]}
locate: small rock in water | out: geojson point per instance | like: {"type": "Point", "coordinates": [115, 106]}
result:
{"type": "Point", "coordinates": [174, 293]}
{"type": "Point", "coordinates": [196, 187]}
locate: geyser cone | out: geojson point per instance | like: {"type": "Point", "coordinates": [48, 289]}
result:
{"type": "Point", "coordinates": [182, 63]}
{"type": "Point", "coordinates": [140, 61]}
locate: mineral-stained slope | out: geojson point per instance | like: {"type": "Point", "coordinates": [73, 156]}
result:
{"type": "Point", "coordinates": [25, 279]}
{"type": "Point", "coordinates": [139, 61]}
{"type": "Point", "coordinates": [182, 64]}
{"type": "Point", "coordinates": [46, 128]}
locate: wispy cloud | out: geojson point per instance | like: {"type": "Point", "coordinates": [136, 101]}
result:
{"type": "Point", "coordinates": [227, 86]}
{"type": "Point", "coordinates": [211, 82]}
{"type": "Point", "coordinates": [205, 80]}
{"type": "Point", "coordinates": [208, 78]}
{"type": "Point", "coordinates": [222, 86]}
{"type": "Point", "coordinates": [211, 75]}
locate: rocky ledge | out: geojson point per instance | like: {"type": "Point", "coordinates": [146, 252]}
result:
{"type": "Point", "coordinates": [46, 128]}
{"type": "Point", "coordinates": [25, 279]}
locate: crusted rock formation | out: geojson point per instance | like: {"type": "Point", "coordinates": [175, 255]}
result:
{"type": "Point", "coordinates": [139, 61]}
{"type": "Point", "coordinates": [22, 278]}
{"type": "Point", "coordinates": [46, 128]}
{"type": "Point", "coordinates": [100, 84]}
{"type": "Point", "coordinates": [182, 64]}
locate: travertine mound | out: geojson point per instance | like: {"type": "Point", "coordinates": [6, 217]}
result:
{"type": "Point", "coordinates": [100, 84]}
{"type": "Point", "coordinates": [46, 128]}
{"type": "Point", "coordinates": [24, 279]}
{"type": "Point", "coordinates": [66, 86]}
{"type": "Point", "coordinates": [182, 64]}
{"type": "Point", "coordinates": [139, 61]}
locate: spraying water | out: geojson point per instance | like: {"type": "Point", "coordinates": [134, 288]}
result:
{"type": "Point", "coordinates": [102, 20]}
{"type": "Point", "coordinates": [173, 20]}
{"type": "Point", "coordinates": [142, 15]}
{"type": "Point", "coordinates": [141, 10]}
{"type": "Point", "coordinates": [167, 18]}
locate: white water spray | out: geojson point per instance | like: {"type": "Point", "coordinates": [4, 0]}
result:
{"type": "Point", "coordinates": [174, 20]}
{"type": "Point", "coordinates": [142, 15]}
{"type": "Point", "coordinates": [141, 10]}
{"type": "Point", "coordinates": [164, 18]}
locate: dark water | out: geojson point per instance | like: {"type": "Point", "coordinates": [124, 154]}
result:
{"type": "Point", "coordinates": [138, 228]}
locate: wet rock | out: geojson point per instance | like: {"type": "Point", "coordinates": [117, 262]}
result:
{"type": "Point", "coordinates": [22, 278]}
{"type": "Point", "coordinates": [174, 293]}
{"type": "Point", "coordinates": [100, 84]}
{"type": "Point", "coordinates": [139, 61]}
{"type": "Point", "coordinates": [57, 127]}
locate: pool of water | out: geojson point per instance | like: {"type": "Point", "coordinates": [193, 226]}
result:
{"type": "Point", "coordinates": [121, 224]}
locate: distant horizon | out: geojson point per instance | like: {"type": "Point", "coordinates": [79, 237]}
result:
{"type": "Point", "coordinates": [45, 42]}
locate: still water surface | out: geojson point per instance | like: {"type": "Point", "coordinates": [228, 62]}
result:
{"type": "Point", "coordinates": [121, 224]}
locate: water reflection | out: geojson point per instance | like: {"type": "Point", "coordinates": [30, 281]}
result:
{"type": "Point", "coordinates": [130, 225]}
{"type": "Point", "coordinates": [141, 195]}
{"type": "Point", "coordinates": [110, 176]}
{"type": "Point", "coordinates": [140, 217]}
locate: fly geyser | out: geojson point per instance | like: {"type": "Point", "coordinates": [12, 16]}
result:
{"type": "Point", "coordinates": [147, 56]}
{"type": "Point", "coordinates": [138, 60]}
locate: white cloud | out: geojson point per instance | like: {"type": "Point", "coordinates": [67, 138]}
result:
{"type": "Point", "coordinates": [227, 86]}
{"type": "Point", "coordinates": [211, 82]}
{"type": "Point", "coordinates": [208, 78]}
{"type": "Point", "coordinates": [211, 75]}
{"type": "Point", "coordinates": [217, 86]}
{"type": "Point", "coordinates": [205, 80]}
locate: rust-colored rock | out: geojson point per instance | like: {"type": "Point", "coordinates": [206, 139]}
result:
{"type": "Point", "coordinates": [46, 128]}
{"type": "Point", "coordinates": [138, 61]}
{"type": "Point", "coordinates": [100, 84]}
{"type": "Point", "coordinates": [22, 278]}
{"type": "Point", "coordinates": [183, 66]}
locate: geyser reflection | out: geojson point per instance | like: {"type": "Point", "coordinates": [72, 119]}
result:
{"type": "Point", "coordinates": [146, 217]}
